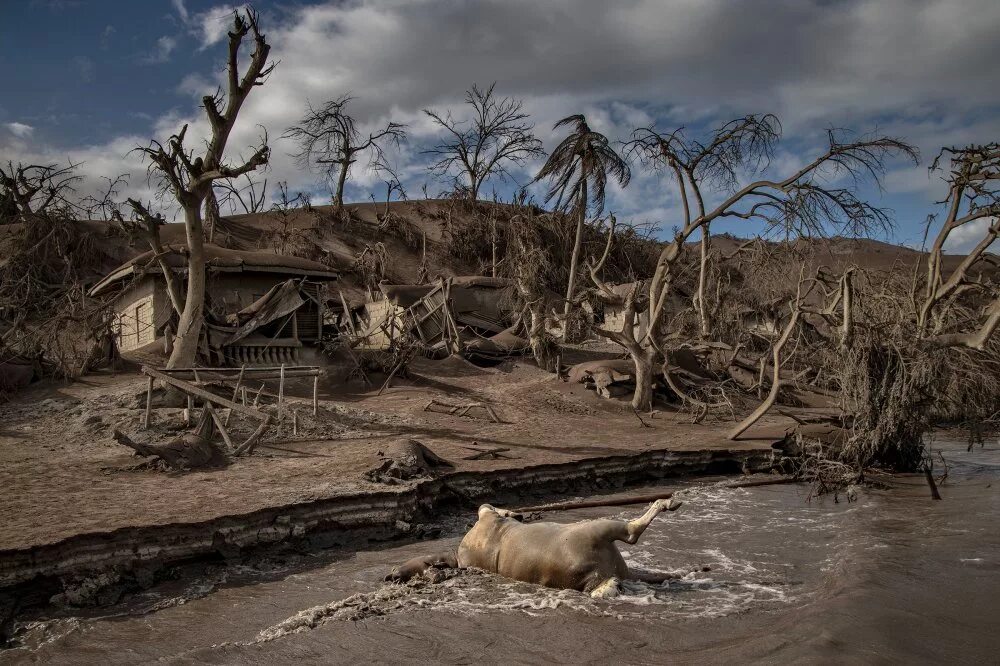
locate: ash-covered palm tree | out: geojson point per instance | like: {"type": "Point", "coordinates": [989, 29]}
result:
{"type": "Point", "coordinates": [579, 169]}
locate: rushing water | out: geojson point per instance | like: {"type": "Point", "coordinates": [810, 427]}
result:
{"type": "Point", "coordinates": [765, 575]}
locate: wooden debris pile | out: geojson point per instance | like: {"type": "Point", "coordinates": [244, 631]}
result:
{"type": "Point", "coordinates": [472, 410]}
{"type": "Point", "coordinates": [198, 448]}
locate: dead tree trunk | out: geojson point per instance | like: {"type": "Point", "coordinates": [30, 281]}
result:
{"type": "Point", "coordinates": [190, 178]}
{"type": "Point", "coordinates": [338, 197]}
{"type": "Point", "coordinates": [704, 312]}
{"type": "Point", "coordinates": [772, 396]}
{"type": "Point", "coordinates": [542, 347]}
{"type": "Point", "coordinates": [642, 399]}
{"type": "Point", "coordinates": [575, 256]}
{"type": "Point", "coordinates": [212, 215]}
{"type": "Point", "coordinates": [185, 350]}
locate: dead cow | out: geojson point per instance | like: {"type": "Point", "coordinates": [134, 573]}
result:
{"type": "Point", "coordinates": [579, 556]}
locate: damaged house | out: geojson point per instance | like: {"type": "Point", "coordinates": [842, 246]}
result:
{"type": "Point", "coordinates": [467, 314]}
{"type": "Point", "coordinates": [613, 315]}
{"type": "Point", "coordinates": [261, 308]}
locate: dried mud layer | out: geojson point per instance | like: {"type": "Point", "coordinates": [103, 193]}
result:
{"type": "Point", "coordinates": [78, 502]}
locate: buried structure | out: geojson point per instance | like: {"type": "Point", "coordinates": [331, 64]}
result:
{"type": "Point", "coordinates": [469, 315]}
{"type": "Point", "coordinates": [261, 308]}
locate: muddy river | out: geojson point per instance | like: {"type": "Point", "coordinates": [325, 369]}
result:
{"type": "Point", "coordinates": [765, 576]}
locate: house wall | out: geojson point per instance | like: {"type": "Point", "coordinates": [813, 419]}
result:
{"type": "Point", "coordinates": [375, 335]}
{"type": "Point", "coordinates": [135, 315]}
{"type": "Point", "coordinates": [143, 309]}
{"type": "Point", "coordinates": [614, 319]}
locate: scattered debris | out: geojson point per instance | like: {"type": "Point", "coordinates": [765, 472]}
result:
{"type": "Point", "coordinates": [442, 407]}
{"type": "Point", "coordinates": [190, 450]}
{"type": "Point", "coordinates": [488, 454]}
{"type": "Point", "coordinates": [193, 391]}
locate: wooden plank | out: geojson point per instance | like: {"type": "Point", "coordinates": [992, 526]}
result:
{"type": "Point", "coordinates": [171, 371]}
{"type": "Point", "coordinates": [236, 391]}
{"type": "Point", "coordinates": [193, 390]}
{"type": "Point", "coordinates": [316, 395]}
{"type": "Point", "coordinates": [347, 313]}
{"type": "Point", "coordinates": [251, 443]}
{"type": "Point", "coordinates": [220, 425]}
{"type": "Point", "coordinates": [206, 376]}
{"type": "Point", "coordinates": [281, 388]}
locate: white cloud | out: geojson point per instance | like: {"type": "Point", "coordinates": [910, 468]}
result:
{"type": "Point", "coordinates": [20, 130]}
{"type": "Point", "coordinates": [106, 35]}
{"type": "Point", "coordinates": [682, 62]}
{"type": "Point", "coordinates": [196, 86]}
{"type": "Point", "coordinates": [967, 236]}
{"type": "Point", "coordinates": [181, 9]}
{"type": "Point", "coordinates": [85, 68]}
{"type": "Point", "coordinates": [212, 26]}
{"type": "Point", "coordinates": [161, 51]}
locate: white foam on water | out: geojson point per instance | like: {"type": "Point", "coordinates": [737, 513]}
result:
{"type": "Point", "coordinates": [31, 636]}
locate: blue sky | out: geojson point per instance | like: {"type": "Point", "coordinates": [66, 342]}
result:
{"type": "Point", "coordinates": [89, 80]}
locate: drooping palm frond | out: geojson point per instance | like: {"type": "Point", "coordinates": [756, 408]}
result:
{"type": "Point", "coordinates": [583, 156]}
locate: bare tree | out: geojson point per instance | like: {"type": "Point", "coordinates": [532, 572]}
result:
{"type": "Point", "coordinates": [45, 314]}
{"type": "Point", "coordinates": [250, 197]}
{"type": "Point", "coordinates": [497, 136]}
{"type": "Point", "coordinates": [973, 194]}
{"type": "Point", "coordinates": [803, 203]}
{"type": "Point", "coordinates": [527, 262]}
{"type": "Point", "coordinates": [793, 321]}
{"type": "Point", "coordinates": [700, 168]}
{"type": "Point", "coordinates": [189, 179]}
{"type": "Point", "coordinates": [28, 190]}
{"type": "Point", "coordinates": [329, 139]}
{"type": "Point", "coordinates": [579, 168]}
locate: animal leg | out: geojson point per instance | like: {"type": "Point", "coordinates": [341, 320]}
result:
{"type": "Point", "coordinates": [636, 527]}
{"type": "Point", "coordinates": [419, 565]}
{"type": "Point", "coordinates": [653, 577]}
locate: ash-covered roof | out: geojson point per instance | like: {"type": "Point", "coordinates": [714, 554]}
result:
{"type": "Point", "coordinates": [219, 260]}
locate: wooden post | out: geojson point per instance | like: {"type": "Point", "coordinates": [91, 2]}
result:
{"type": "Point", "coordinates": [218, 424]}
{"type": "Point", "coordinates": [236, 391]}
{"type": "Point", "coordinates": [315, 395]}
{"type": "Point", "coordinates": [250, 444]}
{"type": "Point", "coordinates": [149, 405]}
{"type": "Point", "coordinates": [281, 388]}
{"type": "Point", "coordinates": [187, 411]}
{"type": "Point", "coordinates": [347, 313]}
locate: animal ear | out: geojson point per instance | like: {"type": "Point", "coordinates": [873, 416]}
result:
{"type": "Point", "coordinates": [519, 517]}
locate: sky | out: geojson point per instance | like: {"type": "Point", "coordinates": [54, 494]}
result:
{"type": "Point", "coordinates": [88, 81]}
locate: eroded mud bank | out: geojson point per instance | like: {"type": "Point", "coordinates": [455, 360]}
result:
{"type": "Point", "coordinates": [94, 568]}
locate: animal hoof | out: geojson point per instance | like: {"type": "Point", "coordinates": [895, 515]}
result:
{"type": "Point", "coordinates": [674, 505]}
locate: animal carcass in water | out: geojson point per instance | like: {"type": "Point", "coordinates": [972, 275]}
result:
{"type": "Point", "coordinates": [578, 556]}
